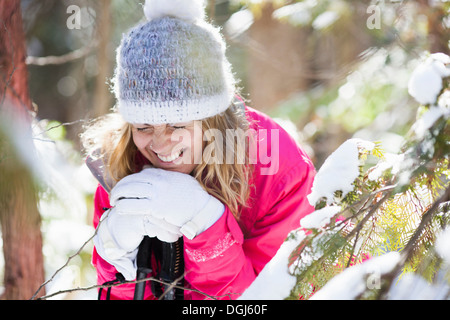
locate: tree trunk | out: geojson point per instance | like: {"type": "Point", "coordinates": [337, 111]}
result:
{"type": "Point", "coordinates": [22, 239]}
{"type": "Point", "coordinates": [102, 96]}
{"type": "Point", "coordinates": [277, 60]}
{"type": "Point", "coordinates": [438, 35]}
{"type": "Point", "coordinates": [19, 217]}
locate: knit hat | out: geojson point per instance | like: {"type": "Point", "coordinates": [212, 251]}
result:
{"type": "Point", "coordinates": [172, 68]}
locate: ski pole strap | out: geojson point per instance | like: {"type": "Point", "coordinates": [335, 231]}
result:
{"type": "Point", "coordinates": [171, 256]}
{"type": "Point", "coordinates": [119, 279]}
{"type": "Point", "coordinates": [172, 268]}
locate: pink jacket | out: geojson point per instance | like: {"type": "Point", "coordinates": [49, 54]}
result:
{"type": "Point", "coordinates": [225, 259]}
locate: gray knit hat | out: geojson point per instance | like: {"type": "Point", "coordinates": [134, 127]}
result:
{"type": "Point", "coordinates": [172, 68]}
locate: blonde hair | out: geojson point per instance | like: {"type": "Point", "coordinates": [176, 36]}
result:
{"type": "Point", "coordinates": [112, 138]}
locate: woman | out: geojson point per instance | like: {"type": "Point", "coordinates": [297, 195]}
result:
{"type": "Point", "coordinates": [186, 158]}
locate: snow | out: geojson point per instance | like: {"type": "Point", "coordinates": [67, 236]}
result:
{"type": "Point", "coordinates": [442, 61]}
{"type": "Point", "coordinates": [63, 207]}
{"type": "Point", "coordinates": [352, 282]}
{"type": "Point", "coordinates": [413, 287]}
{"type": "Point", "coordinates": [444, 100]}
{"type": "Point", "coordinates": [325, 20]}
{"type": "Point", "coordinates": [443, 245]}
{"type": "Point", "coordinates": [338, 172]}
{"type": "Point", "coordinates": [297, 14]}
{"type": "Point", "coordinates": [238, 23]}
{"type": "Point", "coordinates": [68, 278]}
{"type": "Point", "coordinates": [422, 125]}
{"type": "Point", "coordinates": [275, 282]}
{"type": "Point", "coordinates": [18, 132]}
{"type": "Point", "coordinates": [425, 83]}
{"type": "Point", "coordinates": [289, 127]}
{"type": "Point", "coordinates": [391, 161]}
{"type": "Point", "coordinates": [319, 218]}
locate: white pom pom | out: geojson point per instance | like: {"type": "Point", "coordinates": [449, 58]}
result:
{"type": "Point", "coordinates": [188, 10]}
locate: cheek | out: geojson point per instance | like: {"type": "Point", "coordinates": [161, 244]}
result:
{"type": "Point", "coordinates": [192, 141]}
{"type": "Point", "coordinates": [140, 141]}
{"type": "Point", "coordinates": [197, 146]}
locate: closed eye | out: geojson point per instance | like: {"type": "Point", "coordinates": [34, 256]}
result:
{"type": "Point", "coordinates": [180, 125]}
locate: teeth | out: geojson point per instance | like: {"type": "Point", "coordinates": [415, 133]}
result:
{"type": "Point", "coordinates": [170, 158]}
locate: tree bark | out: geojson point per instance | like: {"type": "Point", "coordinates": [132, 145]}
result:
{"type": "Point", "coordinates": [102, 96]}
{"type": "Point", "coordinates": [22, 239]}
{"type": "Point", "coordinates": [13, 72]}
{"type": "Point", "coordinates": [277, 60]}
{"type": "Point", "coordinates": [19, 217]}
{"type": "Point", "coordinates": [438, 35]}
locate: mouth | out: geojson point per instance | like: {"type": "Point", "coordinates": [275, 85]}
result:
{"type": "Point", "coordinates": [171, 157]}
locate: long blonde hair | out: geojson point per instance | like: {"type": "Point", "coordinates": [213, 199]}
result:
{"type": "Point", "coordinates": [112, 138]}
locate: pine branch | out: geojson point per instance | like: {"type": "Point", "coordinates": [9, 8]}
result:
{"type": "Point", "coordinates": [408, 252]}
{"type": "Point", "coordinates": [371, 212]}
{"type": "Point", "coordinates": [353, 250]}
{"type": "Point", "coordinates": [425, 222]}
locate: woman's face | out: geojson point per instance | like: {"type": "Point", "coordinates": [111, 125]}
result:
{"type": "Point", "coordinates": [174, 147]}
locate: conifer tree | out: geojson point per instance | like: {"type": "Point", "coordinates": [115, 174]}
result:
{"type": "Point", "coordinates": [370, 203]}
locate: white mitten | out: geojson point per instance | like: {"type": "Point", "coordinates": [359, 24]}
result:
{"type": "Point", "coordinates": [118, 238]}
{"type": "Point", "coordinates": [168, 199]}
{"type": "Point", "coordinates": [161, 229]}
{"type": "Point", "coordinates": [117, 241]}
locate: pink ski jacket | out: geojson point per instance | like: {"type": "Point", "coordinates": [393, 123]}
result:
{"type": "Point", "coordinates": [225, 259]}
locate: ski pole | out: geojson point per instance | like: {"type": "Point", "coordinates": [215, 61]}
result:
{"type": "Point", "coordinates": [143, 262]}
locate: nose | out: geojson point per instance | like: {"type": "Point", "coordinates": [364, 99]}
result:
{"type": "Point", "coordinates": [161, 141]}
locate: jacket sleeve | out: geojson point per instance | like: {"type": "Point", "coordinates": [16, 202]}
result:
{"type": "Point", "coordinates": [221, 263]}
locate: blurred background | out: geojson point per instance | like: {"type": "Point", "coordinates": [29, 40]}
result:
{"type": "Point", "coordinates": [333, 68]}
{"type": "Point", "coordinates": [327, 70]}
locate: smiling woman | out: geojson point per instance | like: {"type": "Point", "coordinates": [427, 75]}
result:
{"type": "Point", "coordinates": [125, 148]}
{"type": "Point", "coordinates": [178, 116]}
{"type": "Point", "coordinates": [161, 145]}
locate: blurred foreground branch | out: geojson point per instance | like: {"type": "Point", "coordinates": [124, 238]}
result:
{"type": "Point", "coordinates": [170, 285]}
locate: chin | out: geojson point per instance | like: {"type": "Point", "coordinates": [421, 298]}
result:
{"type": "Point", "coordinates": [176, 168]}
